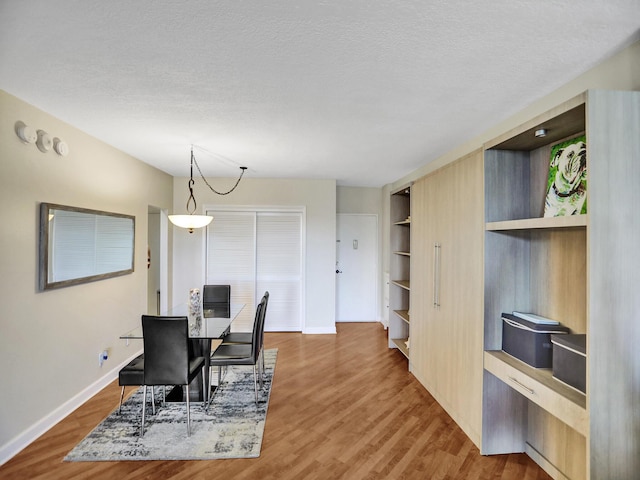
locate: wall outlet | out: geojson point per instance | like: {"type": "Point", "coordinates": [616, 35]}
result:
{"type": "Point", "coordinates": [102, 356]}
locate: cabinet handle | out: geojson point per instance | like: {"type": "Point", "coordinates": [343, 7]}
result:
{"type": "Point", "coordinates": [521, 385]}
{"type": "Point", "coordinates": [436, 275]}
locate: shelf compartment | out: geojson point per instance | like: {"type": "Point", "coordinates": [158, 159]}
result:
{"type": "Point", "coordinates": [534, 223]}
{"type": "Point", "coordinates": [402, 346]}
{"type": "Point", "coordinates": [402, 284]}
{"type": "Point", "coordinates": [538, 385]}
{"type": "Point", "coordinates": [403, 314]}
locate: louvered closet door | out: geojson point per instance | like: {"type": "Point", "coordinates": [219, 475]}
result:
{"type": "Point", "coordinates": [231, 260]}
{"type": "Point", "coordinates": [256, 252]}
{"type": "Point", "coordinates": [279, 268]}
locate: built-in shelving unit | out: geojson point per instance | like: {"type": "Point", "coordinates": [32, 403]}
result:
{"type": "Point", "coordinates": [532, 264]}
{"type": "Point", "coordinates": [572, 269]}
{"type": "Point", "coordinates": [400, 271]}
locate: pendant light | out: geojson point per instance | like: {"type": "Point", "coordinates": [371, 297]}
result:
{"type": "Point", "coordinates": [192, 221]}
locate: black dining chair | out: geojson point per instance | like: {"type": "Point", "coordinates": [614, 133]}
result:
{"type": "Point", "coordinates": [216, 296]}
{"type": "Point", "coordinates": [166, 357]}
{"type": "Point", "coordinates": [242, 354]}
{"type": "Point", "coordinates": [245, 338]}
{"type": "Point", "coordinates": [132, 375]}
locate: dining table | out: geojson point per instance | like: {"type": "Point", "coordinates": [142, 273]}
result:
{"type": "Point", "coordinates": [214, 324]}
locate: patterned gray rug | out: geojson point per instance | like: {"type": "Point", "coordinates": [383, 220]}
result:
{"type": "Point", "coordinates": [231, 428]}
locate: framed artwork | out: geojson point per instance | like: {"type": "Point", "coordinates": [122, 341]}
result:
{"type": "Point", "coordinates": [567, 183]}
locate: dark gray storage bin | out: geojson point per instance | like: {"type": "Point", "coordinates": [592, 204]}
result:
{"type": "Point", "coordinates": [528, 341]}
{"type": "Point", "coordinates": [570, 360]}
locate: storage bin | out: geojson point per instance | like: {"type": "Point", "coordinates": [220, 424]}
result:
{"type": "Point", "coordinates": [570, 360]}
{"type": "Point", "coordinates": [529, 341]}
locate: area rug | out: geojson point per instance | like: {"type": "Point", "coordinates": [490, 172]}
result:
{"type": "Point", "coordinates": [232, 427]}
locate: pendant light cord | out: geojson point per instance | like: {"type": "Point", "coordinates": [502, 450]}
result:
{"type": "Point", "coordinates": [193, 160]}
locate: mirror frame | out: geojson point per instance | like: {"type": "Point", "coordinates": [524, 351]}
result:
{"type": "Point", "coordinates": [44, 283]}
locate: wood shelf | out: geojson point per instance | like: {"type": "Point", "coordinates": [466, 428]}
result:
{"type": "Point", "coordinates": [533, 223]}
{"type": "Point", "coordinates": [403, 314]}
{"type": "Point", "coordinates": [400, 267]}
{"type": "Point", "coordinates": [402, 346]}
{"type": "Point", "coordinates": [402, 284]}
{"type": "Point", "coordinates": [538, 385]}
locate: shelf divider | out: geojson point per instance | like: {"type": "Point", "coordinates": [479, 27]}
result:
{"type": "Point", "coordinates": [533, 223]}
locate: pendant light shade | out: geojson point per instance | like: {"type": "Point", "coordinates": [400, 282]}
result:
{"type": "Point", "coordinates": [192, 221]}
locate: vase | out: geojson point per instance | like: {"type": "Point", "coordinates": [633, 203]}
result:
{"type": "Point", "coordinates": [194, 306]}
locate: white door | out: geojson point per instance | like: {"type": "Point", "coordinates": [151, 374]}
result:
{"type": "Point", "coordinates": [357, 268]}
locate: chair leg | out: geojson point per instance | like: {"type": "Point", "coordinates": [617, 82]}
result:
{"type": "Point", "coordinates": [153, 399]}
{"type": "Point", "coordinates": [207, 391]}
{"type": "Point", "coordinates": [255, 383]}
{"type": "Point", "coordinates": [188, 414]}
{"type": "Point", "coordinates": [121, 397]}
{"type": "Point", "coordinates": [144, 404]}
{"type": "Point", "coordinates": [209, 394]}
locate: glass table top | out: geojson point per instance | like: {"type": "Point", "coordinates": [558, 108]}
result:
{"type": "Point", "coordinates": [215, 322]}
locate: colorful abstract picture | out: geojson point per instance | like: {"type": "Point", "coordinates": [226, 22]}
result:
{"type": "Point", "coordinates": [567, 184]}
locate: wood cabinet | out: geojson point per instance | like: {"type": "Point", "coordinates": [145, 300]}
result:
{"type": "Point", "coordinates": [581, 270]}
{"type": "Point", "coordinates": [399, 270]}
{"type": "Point", "coordinates": [446, 285]}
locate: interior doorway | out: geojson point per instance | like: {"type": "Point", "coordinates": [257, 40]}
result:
{"type": "Point", "coordinates": [356, 268]}
{"type": "Point", "coordinates": [156, 264]}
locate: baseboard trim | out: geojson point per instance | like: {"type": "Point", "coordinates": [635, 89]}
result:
{"type": "Point", "coordinates": [320, 330]}
{"type": "Point", "coordinates": [24, 439]}
{"type": "Point", "coordinates": [545, 464]}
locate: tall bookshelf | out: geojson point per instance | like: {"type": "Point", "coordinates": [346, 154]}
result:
{"type": "Point", "coordinates": [575, 270]}
{"type": "Point", "coordinates": [399, 270]}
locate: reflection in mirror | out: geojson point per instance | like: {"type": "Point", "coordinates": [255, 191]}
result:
{"type": "Point", "coordinates": [79, 245]}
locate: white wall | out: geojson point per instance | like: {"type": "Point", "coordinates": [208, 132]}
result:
{"type": "Point", "coordinates": [319, 199]}
{"type": "Point", "coordinates": [50, 341]}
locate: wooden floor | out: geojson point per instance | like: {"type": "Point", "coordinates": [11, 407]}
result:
{"type": "Point", "coordinates": [342, 407]}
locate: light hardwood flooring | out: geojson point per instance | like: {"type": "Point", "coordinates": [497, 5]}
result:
{"type": "Point", "coordinates": [342, 407]}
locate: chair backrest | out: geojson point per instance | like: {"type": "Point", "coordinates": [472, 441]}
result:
{"type": "Point", "coordinates": [255, 334]}
{"type": "Point", "coordinates": [263, 313]}
{"type": "Point", "coordinates": [258, 326]}
{"type": "Point", "coordinates": [166, 350]}
{"type": "Point", "coordinates": [216, 296]}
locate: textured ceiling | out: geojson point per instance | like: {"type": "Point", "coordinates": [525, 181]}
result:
{"type": "Point", "coordinates": [362, 91]}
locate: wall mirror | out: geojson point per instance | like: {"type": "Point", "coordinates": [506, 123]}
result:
{"type": "Point", "coordinates": [78, 245]}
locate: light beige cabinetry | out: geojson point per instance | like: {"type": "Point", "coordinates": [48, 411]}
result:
{"type": "Point", "coordinates": [446, 284]}
{"type": "Point", "coordinates": [581, 270]}
{"type": "Point", "coordinates": [399, 269]}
